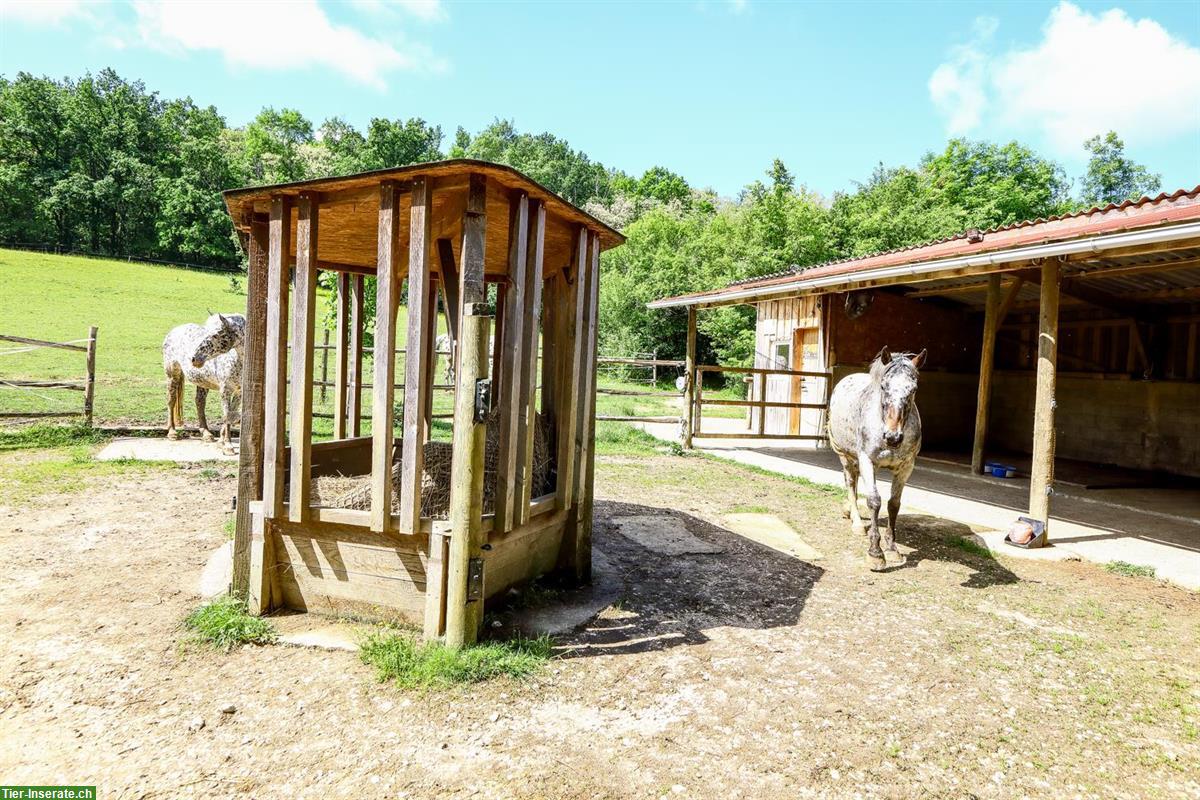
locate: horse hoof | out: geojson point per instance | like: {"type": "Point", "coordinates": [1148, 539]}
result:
{"type": "Point", "coordinates": [876, 563]}
{"type": "Point", "coordinates": [894, 558]}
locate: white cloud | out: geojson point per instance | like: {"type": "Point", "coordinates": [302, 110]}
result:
{"type": "Point", "coordinates": [1089, 73]}
{"type": "Point", "coordinates": [280, 36]}
{"type": "Point", "coordinates": [427, 10]}
{"type": "Point", "coordinates": [41, 12]}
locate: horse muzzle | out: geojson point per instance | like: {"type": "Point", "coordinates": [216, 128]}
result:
{"type": "Point", "coordinates": [893, 438]}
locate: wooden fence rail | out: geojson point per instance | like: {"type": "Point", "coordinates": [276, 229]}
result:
{"type": "Point", "coordinates": [87, 385]}
{"type": "Point", "coordinates": [652, 362]}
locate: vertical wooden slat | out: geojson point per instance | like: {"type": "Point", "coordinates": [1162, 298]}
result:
{"type": "Point", "coordinates": [416, 361]}
{"type": "Point", "coordinates": [498, 367]}
{"type": "Point", "coordinates": [464, 611]}
{"type": "Point", "coordinates": [568, 379]}
{"type": "Point", "coordinates": [435, 585]}
{"type": "Point", "coordinates": [987, 354]}
{"type": "Point", "coordinates": [587, 461]}
{"type": "Point", "coordinates": [689, 391]}
{"type": "Point", "coordinates": [449, 286]}
{"type": "Point", "coordinates": [510, 342]}
{"type": "Point", "coordinates": [355, 355]}
{"type": "Point", "coordinates": [303, 324]}
{"type": "Point", "coordinates": [527, 392]}
{"type": "Point", "coordinates": [341, 359]}
{"type": "Point", "coordinates": [1041, 477]}
{"type": "Point", "coordinates": [250, 436]}
{"type": "Point", "coordinates": [275, 376]}
{"type": "Point", "coordinates": [552, 298]}
{"type": "Point", "coordinates": [429, 346]}
{"type": "Point", "coordinates": [386, 297]}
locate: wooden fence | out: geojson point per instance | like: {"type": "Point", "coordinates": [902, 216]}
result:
{"type": "Point", "coordinates": [87, 385]}
{"type": "Point", "coordinates": [654, 363]}
{"type": "Point", "coordinates": [759, 375]}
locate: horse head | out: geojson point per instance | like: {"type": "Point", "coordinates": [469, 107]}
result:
{"type": "Point", "coordinates": [221, 334]}
{"type": "Point", "coordinates": [896, 376]}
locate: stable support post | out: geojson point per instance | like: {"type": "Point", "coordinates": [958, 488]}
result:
{"type": "Point", "coordinates": [340, 363]}
{"type": "Point", "coordinates": [354, 379]}
{"type": "Point", "coordinates": [587, 459]}
{"type": "Point", "coordinates": [416, 354]}
{"type": "Point", "coordinates": [250, 434]}
{"type": "Point", "coordinates": [986, 360]}
{"type": "Point", "coordinates": [527, 393]}
{"type": "Point", "coordinates": [387, 292]}
{"type": "Point", "coordinates": [1042, 475]}
{"type": "Point", "coordinates": [275, 375]}
{"type": "Point", "coordinates": [510, 342]}
{"type": "Point", "coordinates": [570, 371]}
{"type": "Point", "coordinates": [303, 327]}
{"type": "Point", "coordinates": [689, 384]}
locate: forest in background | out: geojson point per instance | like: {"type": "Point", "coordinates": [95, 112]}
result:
{"type": "Point", "coordinates": [102, 165]}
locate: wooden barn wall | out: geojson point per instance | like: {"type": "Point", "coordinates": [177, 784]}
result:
{"type": "Point", "coordinates": [949, 333]}
{"type": "Point", "coordinates": [775, 322]}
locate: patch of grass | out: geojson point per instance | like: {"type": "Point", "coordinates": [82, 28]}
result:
{"type": "Point", "coordinates": [225, 623]}
{"type": "Point", "coordinates": [413, 664]}
{"type": "Point", "coordinates": [818, 488]}
{"type": "Point", "coordinates": [622, 439]}
{"type": "Point", "coordinates": [750, 509]}
{"type": "Point", "coordinates": [971, 546]}
{"type": "Point", "coordinates": [39, 437]}
{"type": "Point", "coordinates": [25, 475]}
{"type": "Point", "coordinates": [209, 473]}
{"type": "Point", "coordinates": [230, 527]}
{"type": "Point", "coordinates": [1130, 570]}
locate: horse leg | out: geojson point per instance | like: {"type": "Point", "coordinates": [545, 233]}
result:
{"type": "Point", "coordinates": [874, 554]}
{"type": "Point", "coordinates": [229, 406]}
{"type": "Point", "coordinates": [178, 410]}
{"type": "Point", "coordinates": [899, 479]}
{"type": "Point", "coordinates": [173, 388]}
{"type": "Point", "coordinates": [201, 401]}
{"type": "Point", "coordinates": [850, 474]}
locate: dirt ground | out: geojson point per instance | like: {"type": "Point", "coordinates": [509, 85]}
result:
{"type": "Point", "coordinates": [740, 674]}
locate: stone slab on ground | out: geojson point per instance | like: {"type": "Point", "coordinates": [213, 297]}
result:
{"type": "Point", "coordinates": [151, 449]}
{"type": "Point", "coordinates": [325, 636]}
{"type": "Point", "coordinates": [579, 607]}
{"type": "Point", "coordinates": [218, 572]}
{"type": "Point", "coordinates": [771, 531]}
{"type": "Point", "coordinates": [665, 534]}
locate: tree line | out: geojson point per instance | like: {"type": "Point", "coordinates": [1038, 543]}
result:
{"type": "Point", "coordinates": [101, 164]}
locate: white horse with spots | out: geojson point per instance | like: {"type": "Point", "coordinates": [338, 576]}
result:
{"type": "Point", "coordinates": [210, 356]}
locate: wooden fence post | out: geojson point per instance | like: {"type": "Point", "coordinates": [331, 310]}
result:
{"type": "Point", "coordinates": [689, 385]}
{"type": "Point", "coordinates": [89, 393]}
{"type": "Point", "coordinates": [1041, 477]}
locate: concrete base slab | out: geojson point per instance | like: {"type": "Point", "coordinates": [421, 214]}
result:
{"type": "Point", "coordinates": [218, 572]}
{"type": "Point", "coordinates": [994, 541]}
{"type": "Point", "coordinates": [664, 534]}
{"type": "Point", "coordinates": [149, 449]}
{"type": "Point", "coordinates": [771, 531]}
{"type": "Point", "coordinates": [580, 606]}
{"type": "Point", "coordinates": [318, 633]}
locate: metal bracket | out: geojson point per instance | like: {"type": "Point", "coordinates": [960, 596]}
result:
{"type": "Point", "coordinates": [483, 399]}
{"type": "Point", "coordinates": [474, 579]}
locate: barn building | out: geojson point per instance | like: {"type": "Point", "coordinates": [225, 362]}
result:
{"type": "Point", "coordinates": [1076, 337]}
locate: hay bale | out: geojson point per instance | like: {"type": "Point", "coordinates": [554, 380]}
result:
{"type": "Point", "coordinates": [354, 491]}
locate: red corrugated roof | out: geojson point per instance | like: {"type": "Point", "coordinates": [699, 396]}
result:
{"type": "Point", "coordinates": [1179, 206]}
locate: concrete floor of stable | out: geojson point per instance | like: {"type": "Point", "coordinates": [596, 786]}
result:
{"type": "Point", "coordinates": [1146, 525]}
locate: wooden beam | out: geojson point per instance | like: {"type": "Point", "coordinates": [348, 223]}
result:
{"type": "Point", "coordinates": [1042, 473]}
{"type": "Point", "coordinates": [527, 391]}
{"type": "Point", "coordinates": [689, 391]}
{"type": "Point", "coordinates": [275, 376]}
{"type": "Point", "coordinates": [587, 461]}
{"type": "Point", "coordinates": [250, 436]}
{"type": "Point", "coordinates": [303, 323]}
{"type": "Point", "coordinates": [1010, 297]}
{"type": "Point", "coordinates": [569, 373]}
{"type": "Point", "coordinates": [354, 379]}
{"type": "Point", "coordinates": [987, 355]}
{"type": "Point", "coordinates": [472, 288]}
{"type": "Point", "coordinates": [511, 341]}
{"type": "Point", "coordinates": [464, 602]}
{"type": "Point", "coordinates": [448, 284]}
{"type": "Point", "coordinates": [417, 355]}
{"type": "Point", "coordinates": [387, 293]}
{"type": "Point", "coordinates": [340, 366]}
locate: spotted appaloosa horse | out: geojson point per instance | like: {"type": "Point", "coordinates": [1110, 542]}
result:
{"type": "Point", "coordinates": [210, 356]}
{"type": "Point", "coordinates": [874, 422]}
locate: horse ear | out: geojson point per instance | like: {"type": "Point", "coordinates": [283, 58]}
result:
{"type": "Point", "coordinates": [883, 355]}
{"type": "Point", "coordinates": [224, 321]}
{"type": "Point", "coordinates": [918, 360]}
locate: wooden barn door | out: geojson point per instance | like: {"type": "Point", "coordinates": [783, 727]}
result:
{"type": "Point", "coordinates": [806, 357]}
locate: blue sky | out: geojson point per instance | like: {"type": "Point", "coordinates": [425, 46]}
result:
{"type": "Point", "coordinates": [713, 90]}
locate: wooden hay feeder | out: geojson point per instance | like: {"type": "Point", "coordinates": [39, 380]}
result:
{"type": "Point", "coordinates": [449, 229]}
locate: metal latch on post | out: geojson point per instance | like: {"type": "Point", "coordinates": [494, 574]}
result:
{"type": "Point", "coordinates": [483, 399]}
{"type": "Point", "coordinates": [474, 579]}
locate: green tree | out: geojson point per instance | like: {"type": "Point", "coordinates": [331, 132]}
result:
{"type": "Point", "coordinates": [272, 146]}
{"type": "Point", "coordinates": [1111, 176]}
{"type": "Point", "coordinates": [547, 159]}
{"type": "Point", "coordinates": [395, 143]}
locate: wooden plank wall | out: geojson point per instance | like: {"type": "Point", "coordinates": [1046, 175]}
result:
{"type": "Point", "coordinates": [775, 322]}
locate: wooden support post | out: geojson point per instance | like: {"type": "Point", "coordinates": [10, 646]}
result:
{"type": "Point", "coordinates": [89, 390]}
{"type": "Point", "coordinates": [450, 288]}
{"type": "Point", "coordinates": [250, 435]}
{"type": "Point", "coordinates": [568, 378]}
{"type": "Point", "coordinates": [303, 325]}
{"type": "Point", "coordinates": [587, 460]}
{"type": "Point", "coordinates": [510, 342]}
{"type": "Point", "coordinates": [387, 292]}
{"type": "Point", "coordinates": [1041, 479]}
{"type": "Point", "coordinates": [354, 380]}
{"type": "Point", "coordinates": [340, 365]}
{"type": "Point", "coordinates": [429, 346]}
{"type": "Point", "coordinates": [417, 355]}
{"type": "Point", "coordinates": [464, 580]}
{"type": "Point", "coordinates": [527, 391]}
{"type": "Point", "coordinates": [275, 376]}
{"type": "Point", "coordinates": [435, 585]}
{"type": "Point", "coordinates": [689, 385]}
{"type": "Point", "coordinates": [986, 357]}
